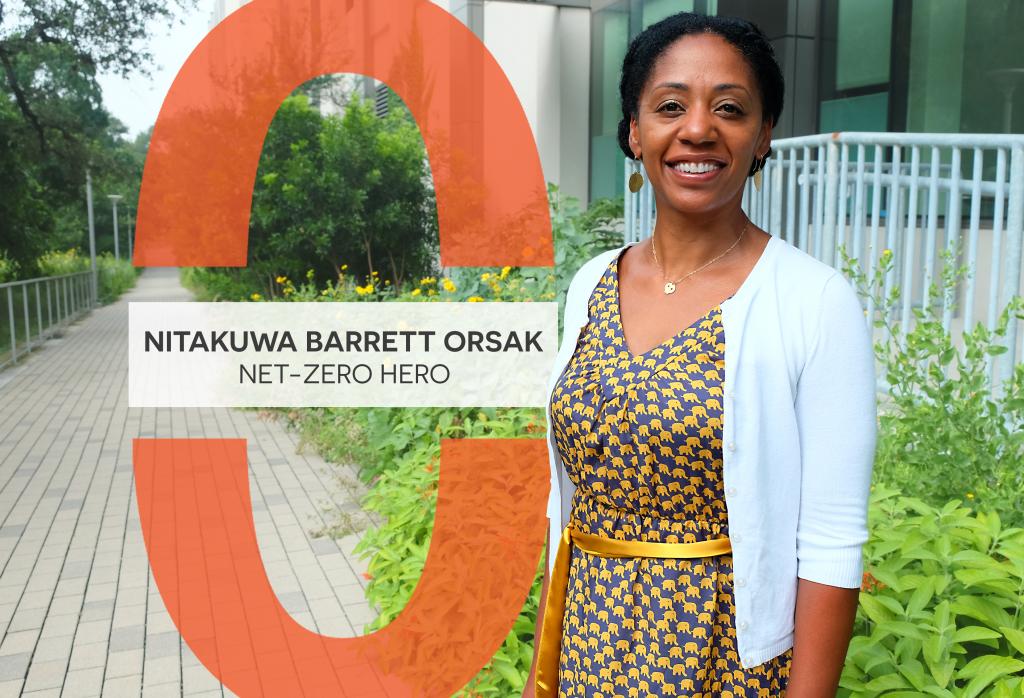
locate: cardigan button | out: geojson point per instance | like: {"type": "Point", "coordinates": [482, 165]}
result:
{"type": "Point", "coordinates": [731, 490]}
{"type": "Point", "coordinates": [743, 625]}
{"type": "Point", "coordinates": [741, 582]}
{"type": "Point", "coordinates": [732, 446]}
{"type": "Point", "coordinates": [736, 537]}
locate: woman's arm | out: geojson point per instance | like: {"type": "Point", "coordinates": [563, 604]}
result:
{"type": "Point", "coordinates": [824, 623]}
{"type": "Point", "coordinates": [837, 421]}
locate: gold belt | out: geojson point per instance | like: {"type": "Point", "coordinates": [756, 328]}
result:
{"type": "Point", "coordinates": [551, 633]}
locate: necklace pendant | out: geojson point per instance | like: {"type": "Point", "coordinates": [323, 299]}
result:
{"type": "Point", "coordinates": [669, 287]}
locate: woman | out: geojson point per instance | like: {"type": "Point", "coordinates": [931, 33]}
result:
{"type": "Point", "coordinates": [709, 490]}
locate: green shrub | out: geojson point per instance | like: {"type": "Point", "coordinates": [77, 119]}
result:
{"type": "Point", "coordinates": [403, 468]}
{"type": "Point", "coordinates": [941, 611]}
{"type": "Point", "coordinates": [8, 268]}
{"type": "Point", "coordinates": [114, 277]}
{"type": "Point", "coordinates": [62, 262]}
{"type": "Point", "coordinates": [942, 437]}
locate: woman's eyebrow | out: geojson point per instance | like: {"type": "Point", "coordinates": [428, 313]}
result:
{"type": "Point", "coordinates": [684, 87]}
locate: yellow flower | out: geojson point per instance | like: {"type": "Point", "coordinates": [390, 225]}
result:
{"type": "Point", "coordinates": [415, 292]}
{"type": "Point", "coordinates": [448, 285]}
{"type": "Point", "coordinates": [474, 299]}
{"type": "Point", "coordinates": [486, 275]}
{"type": "Point", "coordinates": [310, 274]}
{"type": "Point", "coordinates": [282, 279]}
{"type": "Point", "coordinates": [289, 290]}
{"type": "Point", "coordinates": [363, 290]}
{"type": "Point", "coordinates": [256, 296]}
{"type": "Point", "coordinates": [374, 272]}
{"type": "Point", "coordinates": [325, 292]}
{"type": "Point", "coordinates": [970, 495]}
{"type": "Point", "coordinates": [344, 267]}
{"type": "Point", "coordinates": [505, 271]}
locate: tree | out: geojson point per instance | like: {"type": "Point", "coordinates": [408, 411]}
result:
{"type": "Point", "coordinates": [58, 43]}
{"type": "Point", "coordinates": [52, 121]}
{"type": "Point", "coordinates": [340, 190]}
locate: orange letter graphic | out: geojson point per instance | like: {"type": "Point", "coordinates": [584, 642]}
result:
{"type": "Point", "coordinates": [194, 209]}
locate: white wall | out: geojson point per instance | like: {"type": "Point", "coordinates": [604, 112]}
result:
{"type": "Point", "coordinates": [545, 53]}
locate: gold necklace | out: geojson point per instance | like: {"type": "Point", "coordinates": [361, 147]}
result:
{"type": "Point", "coordinates": [670, 286]}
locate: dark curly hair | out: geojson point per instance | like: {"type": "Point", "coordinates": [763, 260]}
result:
{"type": "Point", "coordinates": [647, 46]}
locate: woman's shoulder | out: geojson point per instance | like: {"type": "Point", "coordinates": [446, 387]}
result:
{"type": "Point", "coordinates": [589, 273]}
{"type": "Point", "coordinates": [801, 268]}
{"type": "Point", "coordinates": [822, 291]}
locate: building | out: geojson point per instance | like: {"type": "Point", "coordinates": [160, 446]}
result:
{"type": "Point", "coordinates": [941, 66]}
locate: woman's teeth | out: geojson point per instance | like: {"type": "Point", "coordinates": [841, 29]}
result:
{"type": "Point", "coordinates": [696, 167]}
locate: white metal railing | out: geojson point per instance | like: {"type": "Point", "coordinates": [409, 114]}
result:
{"type": "Point", "coordinates": [35, 309]}
{"type": "Point", "coordinates": [901, 192]}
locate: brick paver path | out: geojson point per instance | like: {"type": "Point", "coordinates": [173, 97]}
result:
{"type": "Point", "coordinates": [80, 614]}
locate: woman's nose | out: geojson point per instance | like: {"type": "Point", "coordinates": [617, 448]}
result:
{"type": "Point", "coordinates": [697, 126]}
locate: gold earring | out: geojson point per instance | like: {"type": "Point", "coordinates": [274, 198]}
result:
{"type": "Point", "coordinates": [636, 180]}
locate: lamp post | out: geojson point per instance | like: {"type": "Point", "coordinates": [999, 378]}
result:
{"type": "Point", "coordinates": [92, 235]}
{"type": "Point", "coordinates": [114, 198]}
{"type": "Point", "coordinates": [131, 233]}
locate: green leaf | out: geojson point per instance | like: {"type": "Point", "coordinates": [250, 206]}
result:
{"type": "Point", "coordinates": [874, 609]}
{"type": "Point", "coordinates": [985, 670]}
{"type": "Point", "coordinates": [1014, 637]}
{"type": "Point", "coordinates": [887, 682]}
{"type": "Point", "coordinates": [509, 672]}
{"type": "Point", "coordinates": [913, 670]}
{"type": "Point", "coordinates": [974, 632]}
{"type": "Point", "coordinates": [921, 597]}
{"type": "Point", "coordinates": [982, 609]}
{"type": "Point", "coordinates": [902, 628]}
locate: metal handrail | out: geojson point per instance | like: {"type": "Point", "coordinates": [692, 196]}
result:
{"type": "Point", "coordinates": [65, 298]}
{"type": "Point", "coordinates": [910, 193]}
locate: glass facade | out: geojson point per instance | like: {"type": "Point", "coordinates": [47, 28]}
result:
{"type": "Point", "coordinates": [856, 68]}
{"type": "Point", "coordinates": [931, 66]}
{"type": "Point", "coordinates": [942, 66]}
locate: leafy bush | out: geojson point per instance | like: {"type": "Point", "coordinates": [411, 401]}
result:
{"type": "Point", "coordinates": [114, 277]}
{"type": "Point", "coordinates": [8, 268]}
{"type": "Point", "coordinates": [61, 262]}
{"type": "Point", "coordinates": [403, 467]}
{"type": "Point", "coordinates": [941, 611]}
{"type": "Point", "coordinates": [945, 436]}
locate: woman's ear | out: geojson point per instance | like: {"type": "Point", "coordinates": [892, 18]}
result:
{"type": "Point", "coordinates": [634, 137]}
{"type": "Point", "coordinates": [764, 140]}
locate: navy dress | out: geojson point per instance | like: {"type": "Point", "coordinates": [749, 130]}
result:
{"type": "Point", "coordinates": [641, 438]}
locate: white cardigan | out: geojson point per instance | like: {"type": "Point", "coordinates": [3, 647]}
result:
{"type": "Point", "coordinates": [799, 431]}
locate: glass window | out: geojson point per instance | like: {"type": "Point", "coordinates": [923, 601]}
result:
{"type": "Point", "coordinates": [966, 67]}
{"type": "Point", "coordinates": [859, 78]}
{"type": "Point", "coordinates": [862, 43]}
{"type": "Point", "coordinates": [657, 10]}
{"type": "Point", "coordinates": [609, 41]}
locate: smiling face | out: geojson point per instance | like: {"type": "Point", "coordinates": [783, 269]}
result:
{"type": "Point", "coordinates": [700, 125]}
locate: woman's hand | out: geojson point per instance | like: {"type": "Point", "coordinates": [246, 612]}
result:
{"type": "Point", "coordinates": [824, 624]}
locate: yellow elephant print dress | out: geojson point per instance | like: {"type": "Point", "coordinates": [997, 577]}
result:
{"type": "Point", "coordinates": [640, 436]}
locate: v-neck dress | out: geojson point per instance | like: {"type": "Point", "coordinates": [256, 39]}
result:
{"type": "Point", "coordinates": [641, 438]}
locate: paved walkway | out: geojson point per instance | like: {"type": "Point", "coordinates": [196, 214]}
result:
{"type": "Point", "coordinates": [80, 614]}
